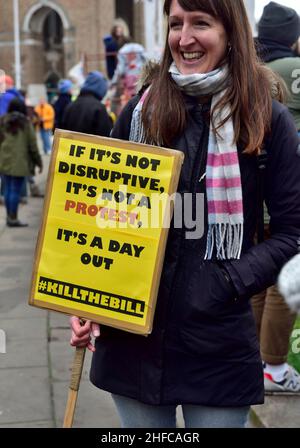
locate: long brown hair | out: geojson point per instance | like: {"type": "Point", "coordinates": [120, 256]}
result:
{"type": "Point", "coordinates": [249, 94]}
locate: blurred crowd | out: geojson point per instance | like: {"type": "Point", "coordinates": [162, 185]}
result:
{"type": "Point", "coordinates": [93, 110]}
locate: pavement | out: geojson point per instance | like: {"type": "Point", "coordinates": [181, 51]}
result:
{"type": "Point", "coordinates": [35, 370]}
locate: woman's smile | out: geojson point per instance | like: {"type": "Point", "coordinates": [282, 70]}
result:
{"type": "Point", "coordinates": [193, 56]}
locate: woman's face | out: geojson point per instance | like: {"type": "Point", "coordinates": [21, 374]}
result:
{"type": "Point", "coordinates": [198, 42]}
{"type": "Point", "coordinates": [119, 31]}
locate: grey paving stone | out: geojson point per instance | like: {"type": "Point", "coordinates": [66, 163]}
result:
{"type": "Point", "coordinates": [16, 265]}
{"type": "Point", "coordinates": [279, 412]}
{"type": "Point", "coordinates": [42, 424]}
{"type": "Point", "coordinates": [19, 252]}
{"type": "Point", "coordinates": [12, 283]}
{"type": "Point", "coordinates": [25, 329]}
{"type": "Point", "coordinates": [20, 238]}
{"type": "Point", "coordinates": [11, 297]}
{"type": "Point", "coordinates": [24, 395]}
{"type": "Point", "coordinates": [9, 271]}
{"type": "Point", "coordinates": [59, 320]}
{"type": "Point", "coordinates": [18, 354]}
{"type": "Point", "coordinates": [60, 335]}
{"type": "Point", "coordinates": [95, 408]}
{"type": "Point", "coordinates": [254, 420]}
{"type": "Point", "coordinates": [20, 310]}
{"type": "Point", "coordinates": [2, 218]}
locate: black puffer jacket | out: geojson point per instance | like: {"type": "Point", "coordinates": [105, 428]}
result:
{"type": "Point", "coordinates": [88, 115]}
{"type": "Point", "coordinates": [203, 348]}
{"type": "Point", "coordinates": [60, 106]}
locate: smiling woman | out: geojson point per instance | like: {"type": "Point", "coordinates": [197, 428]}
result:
{"type": "Point", "coordinates": [198, 41]}
{"type": "Point", "coordinates": [210, 98]}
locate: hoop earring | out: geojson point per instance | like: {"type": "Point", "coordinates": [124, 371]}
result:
{"type": "Point", "coordinates": [229, 49]}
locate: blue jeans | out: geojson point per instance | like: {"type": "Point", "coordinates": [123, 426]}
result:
{"type": "Point", "coordinates": [1, 185]}
{"type": "Point", "coordinates": [134, 414]}
{"type": "Point", "coordinates": [12, 191]}
{"type": "Point", "coordinates": [23, 193]}
{"type": "Point", "coordinates": [45, 136]}
{"type": "Point", "coordinates": [23, 190]}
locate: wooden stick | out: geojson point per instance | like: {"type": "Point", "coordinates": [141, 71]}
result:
{"type": "Point", "coordinates": [74, 386]}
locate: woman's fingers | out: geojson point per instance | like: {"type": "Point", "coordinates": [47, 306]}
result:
{"type": "Point", "coordinates": [81, 334]}
{"type": "Point", "coordinates": [79, 341]}
{"type": "Point", "coordinates": [75, 323]}
{"type": "Point", "coordinates": [95, 330]}
{"type": "Point", "coordinates": [75, 342]}
{"type": "Point", "coordinates": [91, 347]}
{"type": "Point", "coordinates": [79, 329]}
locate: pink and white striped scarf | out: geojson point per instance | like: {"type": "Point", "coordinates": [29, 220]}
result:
{"type": "Point", "coordinates": [223, 177]}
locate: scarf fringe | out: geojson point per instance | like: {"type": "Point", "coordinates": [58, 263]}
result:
{"type": "Point", "coordinates": [137, 132]}
{"type": "Point", "coordinates": [227, 238]}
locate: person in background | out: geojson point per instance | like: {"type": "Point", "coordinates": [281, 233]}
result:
{"type": "Point", "coordinates": [5, 98]}
{"type": "Point", "coordinates": [51, 84]}
{"type": "Point", "coordinates": [211, 99]}
{"type": "Point", "coordinates": [289, 283]}
{"type": "Point", "coordinates": [131, 59]}
{"type": "Point", "coordinates": [19, 155]}
{"type": "Point", "coordinates": [278, 33]}
{"type": "Point", "coordinates": [33, 186]}
{"type": "Point", "coordinates": [63, 100]}
{"type": "Point", "coordinates": [87, 114]}
{"type": "Point", "coordinates": [113, 42]}
{"type": "Point", "coordinates": [10, 93]}
{"type": "Point", "coordinates": [46, 114]}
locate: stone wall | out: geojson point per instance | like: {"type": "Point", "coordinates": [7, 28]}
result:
{"type": "Point", "coordinates": [84, 22]}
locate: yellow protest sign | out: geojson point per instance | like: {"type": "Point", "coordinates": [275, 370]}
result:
{"type": "Point", "coordinates": [104, 229]}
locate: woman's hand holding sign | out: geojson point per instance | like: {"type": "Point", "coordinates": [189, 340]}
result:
{"type": "Point", "coordinates": [82, 331]}
{"type": "Point", "coordinates": [81, 334]}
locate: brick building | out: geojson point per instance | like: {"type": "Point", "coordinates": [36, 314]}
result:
{"type": "Point", "coordinates": [55, 33]}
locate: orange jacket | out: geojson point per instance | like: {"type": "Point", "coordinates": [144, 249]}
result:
{"type": "Point", "coordinates": [46, 114]}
